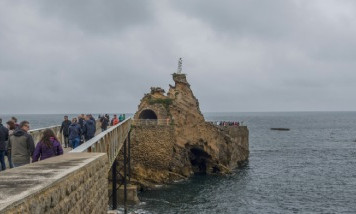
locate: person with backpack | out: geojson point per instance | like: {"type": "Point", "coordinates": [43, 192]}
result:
{"type": "Point", "coordinates": [74, 134]}
{"type": "Point", "coordinates": [89, 128]}
{"type": "Point", "coordinates": [21, 145]}
{"type": "Point", "coordinates": [49, 146]}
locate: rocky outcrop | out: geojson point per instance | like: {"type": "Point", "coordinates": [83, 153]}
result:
{"type": "Point", "coordinates": [180, 142]}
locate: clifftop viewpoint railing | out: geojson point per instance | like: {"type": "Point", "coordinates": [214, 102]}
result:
{"type": "Point", "coordinates": [109, 141]}
{"type": "Point", "coordinates": [151, 122]}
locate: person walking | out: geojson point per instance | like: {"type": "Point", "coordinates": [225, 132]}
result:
{"type": "Point", "coordinates": [89, 128]}
{"type": "Point", "coordinates": [74, 133]}
{"type": "Point", "coordinates": [65, 130]}
{"type": "Point", "coordinates": [81, 120]}
{"type": "Point", "coordinates": [115, 120]}
{"type": "Point", "coordinates": [49, 146]}
{"type": "Point", "coordinates": [93, 119]}
{"type": "Point", "coordinates": [4, 137]}
{"type": "Point", "coordinates": [104, 122]}
{"type": "Point", "coordinates": [21, 145]}
{"type": "Point", "coordinates": [11, 126]}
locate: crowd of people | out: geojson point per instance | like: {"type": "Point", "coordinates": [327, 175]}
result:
{"type": "Point", "coordinates": [228, 123]}
{"type": "Point", "coordinates": [78, 130]}
{"type": "Point", "coordinates": [18, 145]}
{"type": "Point", "coordinates": [104, 120]}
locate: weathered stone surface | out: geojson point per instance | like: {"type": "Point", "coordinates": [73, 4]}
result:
{"type": "Point", "coordinates": [71, 183]}
{"type": "Point", "coordinates": [186, 144]}
{"type": "Point", "coordinates": [131, 194]}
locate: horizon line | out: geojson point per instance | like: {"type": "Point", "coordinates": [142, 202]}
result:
{"type": "Point", "coordinates": [206, 112]}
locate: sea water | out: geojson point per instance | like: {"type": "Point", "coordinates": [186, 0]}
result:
{"type": "Point", "coordinates": [309, 169]}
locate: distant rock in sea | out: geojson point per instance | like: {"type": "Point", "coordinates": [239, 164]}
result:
{"type": "Point", "coordinates": [280, 129]}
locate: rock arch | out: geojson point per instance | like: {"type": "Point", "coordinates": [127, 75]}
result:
{"type": "Point", "coordinates": [148, 114]}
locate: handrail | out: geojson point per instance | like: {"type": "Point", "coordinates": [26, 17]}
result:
{"type": "Point", "coordinates": [151, 122]}
{"type": "Point", "coordinates": [109, 141]}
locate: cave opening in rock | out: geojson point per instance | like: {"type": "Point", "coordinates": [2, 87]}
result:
{"type": "Point", "coordinates": [148, 114]}
{"type": "Point", "coordinates": [200, 160]}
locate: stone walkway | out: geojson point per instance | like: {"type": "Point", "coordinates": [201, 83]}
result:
{"type": "Point", "coordinates": [65, 150]}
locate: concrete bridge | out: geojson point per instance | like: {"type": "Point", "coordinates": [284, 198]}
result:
{"type": "Point", "coordinates": [76, 182]}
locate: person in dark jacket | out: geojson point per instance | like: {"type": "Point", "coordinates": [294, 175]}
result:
{"type": "Point", "coordinates": [4, 137]}
{"type": "Point", "coordinates": [65, 130]}
{"type": "Point", "coordinates": [104, 122]}
{"type": "Point", "coordinates": [21, 145]}
{"type": "Point", "coordinates": [93, 119]}
{"type": "Point", "coordinates": [49, 146]}
{"type": "Point", "coordinates": [11, 126]}
{"type": "Point", "coordinates": [89, 128]}
{"type": "Point", "coordinates": [74, 133]}
{"type": "Point", "coordinates": [81, 120]}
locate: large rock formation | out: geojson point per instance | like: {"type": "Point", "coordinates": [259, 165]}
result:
{"type": "Point", "coordinates": [171, 139]}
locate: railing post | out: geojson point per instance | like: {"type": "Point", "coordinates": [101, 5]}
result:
{"type": "Point", "coordinates": [125, 175]}
{"type": "Point", "coordinates": [114, 185]}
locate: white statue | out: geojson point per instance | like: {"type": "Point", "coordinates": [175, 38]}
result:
{"type": "Point", "coordinates": [179, 71]}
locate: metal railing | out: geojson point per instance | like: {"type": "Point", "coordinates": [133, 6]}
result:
{"type": "Point", "coordinates": [109, 141]}
{"type": "Point", "coordinates": [151, 122]}
{"type": "Point", "coordinates": [226, 123]}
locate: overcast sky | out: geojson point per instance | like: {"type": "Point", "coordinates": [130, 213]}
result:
{"type": "Point", "coordinates": [240, 55]}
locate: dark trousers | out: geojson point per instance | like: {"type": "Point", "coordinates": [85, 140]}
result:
{"type": "Point", "coordinates": [9, 159]}
{"type": "Point", "coordinates": [66, 141]}
{"type": "Point", "coordinates": [75, 142]}
{"type": "Point", "coordinates": [2, 160]}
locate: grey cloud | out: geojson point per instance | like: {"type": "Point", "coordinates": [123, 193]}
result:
{"type": "Point", "coordinates": [98, 17]}
{"type": "Point", "coordinates": [268, 19]}
{"type": "Point", "coordinates": [86, 56]}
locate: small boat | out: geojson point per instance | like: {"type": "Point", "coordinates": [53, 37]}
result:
{"type": "Point", "coordinates": [280, 129]}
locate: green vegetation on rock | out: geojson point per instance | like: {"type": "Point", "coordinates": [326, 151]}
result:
{"type": "Point", "coordinates": [165, 102]}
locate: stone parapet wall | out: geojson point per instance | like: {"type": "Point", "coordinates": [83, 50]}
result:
{"type": "Point", "coordinates": [155, 157]}
{"type": "Point", "coordinates": [71, 183]}
{"type": "Point", "coordinates": [148, 140]}
{"type": "Point", "coordinates": [240, 135]}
